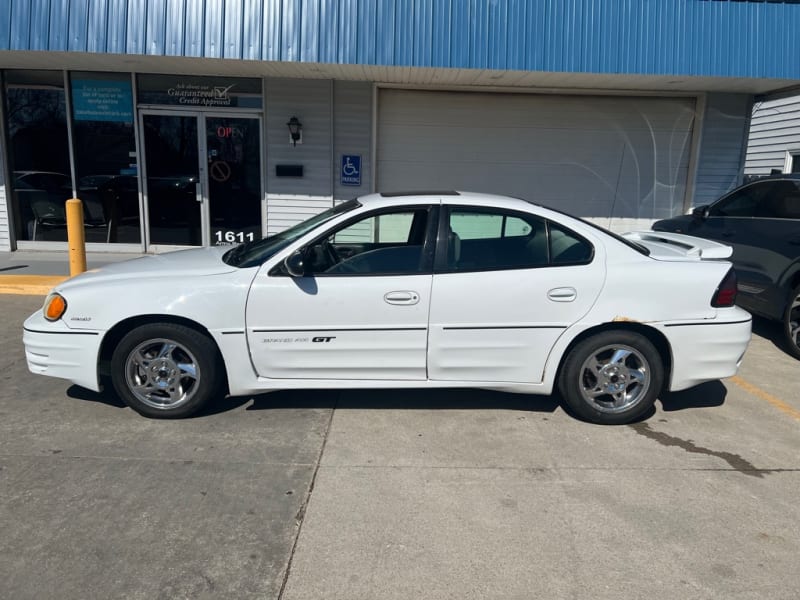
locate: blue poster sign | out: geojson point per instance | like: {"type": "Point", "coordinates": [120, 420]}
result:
{"type": "Point", "coordinates": [102, 100]}
{"type": "Point", "coordinates": [351, 169]}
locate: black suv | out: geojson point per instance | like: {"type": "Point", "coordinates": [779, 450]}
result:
{"type": "Point", "coordinates": [761, 221]}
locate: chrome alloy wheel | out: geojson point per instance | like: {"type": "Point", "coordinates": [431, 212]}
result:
{"type": "Point", "coordinates": [162, 374]}
{"type": "Point", "coordinates": [614, 378]}
{"type": "Point", "coordinates": [793, 322]}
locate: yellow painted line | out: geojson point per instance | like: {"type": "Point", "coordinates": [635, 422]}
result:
{"type": "Point", "coordinates": [31, 285]}
{"type": "Point", "coordinates": [761, 394]}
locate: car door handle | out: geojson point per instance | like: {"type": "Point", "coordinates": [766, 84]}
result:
{"type": "Point", "coordinates": [564, 294]}
{"type": "Point", "coordinates": [728, 233]}
{"type": "Point", "coordinates": [401, 297]}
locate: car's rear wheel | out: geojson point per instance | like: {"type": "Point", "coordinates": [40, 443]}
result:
{"type": "Point", "coordinates": [166, 370]}
{"type": "Point", "coordinates": [612, 377]}
{"type": "Point", "coordinates": [791, 323]}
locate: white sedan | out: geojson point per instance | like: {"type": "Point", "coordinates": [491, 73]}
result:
{"type": "Point", "coordinates": [434, 290]}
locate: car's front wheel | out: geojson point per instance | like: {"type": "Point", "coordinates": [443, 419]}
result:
{"type": "Point", "coordinates": [612, 377]}
{"type": "Point", "coordinates": [166, 370]}
{"type": "Point", "coordinates": [791, 323]}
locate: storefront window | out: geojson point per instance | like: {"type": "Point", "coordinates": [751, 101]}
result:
{"type": "Point", "coordinates": [106, 165]}
{"type": "Point", "coordinates": [203, 176]}
{"type": "Point", "coordinates": [38, 154]}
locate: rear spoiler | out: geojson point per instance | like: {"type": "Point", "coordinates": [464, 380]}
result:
{"type": "Point", "coordinates": [666, 245]}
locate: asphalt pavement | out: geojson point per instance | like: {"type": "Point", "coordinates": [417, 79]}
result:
{"type": "Point", "coordinates": [375, 494]}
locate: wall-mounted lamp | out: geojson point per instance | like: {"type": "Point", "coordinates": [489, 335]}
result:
{"type": "Point", "coordinates": [295, 131]}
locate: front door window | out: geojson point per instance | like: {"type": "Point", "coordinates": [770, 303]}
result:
{"type": "Point", "coordinates": [385, 244]}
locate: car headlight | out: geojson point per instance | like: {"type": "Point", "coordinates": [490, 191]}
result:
{"type": "Point", "coordinates": [54, 306]}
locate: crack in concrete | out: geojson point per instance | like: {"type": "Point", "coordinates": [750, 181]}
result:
{"type": "Point", "coordinates": [301, 513]}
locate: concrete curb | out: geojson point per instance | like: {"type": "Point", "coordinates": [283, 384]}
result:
{"type": "Point", "coordinates": [31, 285]}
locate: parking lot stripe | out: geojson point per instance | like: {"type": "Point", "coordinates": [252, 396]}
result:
{"type": "Point", "coordinates": [767, 397]}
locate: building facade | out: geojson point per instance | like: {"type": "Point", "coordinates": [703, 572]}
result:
{"type": "Point", "coordinates": [202, 122]}
{"type": "Point", "coordinates": [773, 145]}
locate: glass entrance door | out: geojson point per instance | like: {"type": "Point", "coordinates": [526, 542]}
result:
{"type": "Point", "coordinates": [172, 184]}
{"type": "Point", "coordinates": [202, 178]}
{"type": "Point", "coordinates": [234, 179]}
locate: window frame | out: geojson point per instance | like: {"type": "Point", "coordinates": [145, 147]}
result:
{"type": "Point", "coordinates": [792, 160]}
{"type": "Point", "coordinates": [428, 245]}
{"type": "Point", "coordinates": [442, 238]}
{"type": "Point", "coordinates": [771, 184]}
{"type": "Point", "coordinates": [771, 181]}
{"type": "Point", "coordinates": [778, 198]}
{"type": "Point", "coordinates": [748, 191]}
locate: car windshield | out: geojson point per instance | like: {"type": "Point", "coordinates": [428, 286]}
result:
{"type": "Point", "coordinates": [252, 254]}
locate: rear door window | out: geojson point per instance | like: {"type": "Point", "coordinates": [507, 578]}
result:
{"type": "Point", "coordinates": [784, 201]}
{"type": "Point", "coordinates": [487, 240]}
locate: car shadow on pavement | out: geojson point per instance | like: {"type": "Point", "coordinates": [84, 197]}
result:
{"type": "Point", "coordinates": [453, 399]}
{"type": "Point", "coordinates": [107, 396]}
{"type": "Point", "coordinates": [445, 399]}
{"type": "Point", "coordinates": [110, 398]}
{"type": "Point", "coordinates": [770, 330]}
{"type": "Point", "coordinates": [705, 395]}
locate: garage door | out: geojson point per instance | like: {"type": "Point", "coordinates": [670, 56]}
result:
{"type": "Point", "coordinates": [596, 157]}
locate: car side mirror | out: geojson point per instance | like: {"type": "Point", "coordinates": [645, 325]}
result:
{"type": "Point", "coordinates": [295, 264]}
{"type": "Point", "coordinates": [700, 212]}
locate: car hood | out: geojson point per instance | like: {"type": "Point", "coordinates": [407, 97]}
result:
{"type": "Point", "coordinates": [197, 262]}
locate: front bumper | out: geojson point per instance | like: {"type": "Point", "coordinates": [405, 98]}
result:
{"type": "Point", "coordinates": [709, 350]}
{"type": "Point", "coordinates": [55, 350]}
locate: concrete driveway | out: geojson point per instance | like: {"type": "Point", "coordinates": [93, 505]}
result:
{"type": "Point", "coordinates": [389, 494]}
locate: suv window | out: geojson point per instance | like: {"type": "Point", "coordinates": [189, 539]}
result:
{"type": "Point", "coordinates": [773, 199]}
{"type": "Point", "coordinates": [784, 200]}
{"type": "Point", "coordinates": [750, 201]}
{"type": "Point", "coordinates": [480, 240]}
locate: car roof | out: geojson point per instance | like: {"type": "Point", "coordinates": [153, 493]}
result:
{"type": "Point", "coordinates": [757, 178]}
{"type": "Point", "coordinates": [446, 197]}
{"type": "Point", "coordinates": [480, 199]}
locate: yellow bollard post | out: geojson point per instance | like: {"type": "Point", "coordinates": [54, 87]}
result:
{"type": "Point", "coordinates": [76, 237]}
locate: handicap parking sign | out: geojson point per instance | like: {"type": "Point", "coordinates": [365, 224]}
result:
{"type": "Point", "coordinates": [351, 169]}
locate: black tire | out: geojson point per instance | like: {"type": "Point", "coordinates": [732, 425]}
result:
{"type": "Point", "coordinates": [166, 371]}
{"type": "Point", "coordinates": [612, 378]}
{"type": "Point", "coordinates": [791, 323]}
